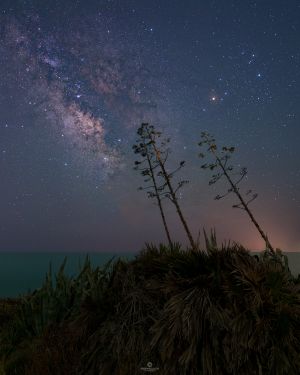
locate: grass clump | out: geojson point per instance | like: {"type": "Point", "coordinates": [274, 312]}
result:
{"type": "Point", "coordinates": [217, 310]}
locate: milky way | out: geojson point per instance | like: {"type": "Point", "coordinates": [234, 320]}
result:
{"type": "Point", "coordinates": [78, 78]}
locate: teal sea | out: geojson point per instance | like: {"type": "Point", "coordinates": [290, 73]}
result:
{"type": "Point", "coordinates": [24, 272]}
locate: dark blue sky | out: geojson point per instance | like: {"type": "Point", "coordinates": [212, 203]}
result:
{"type": "Point", "coordinates": [78, 78]}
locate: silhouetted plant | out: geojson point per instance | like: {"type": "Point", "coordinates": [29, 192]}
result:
{"type": "Point", "coordinates": [145, 150]}
{"type": "Point", "coordinates": [216, 312]}
{"type": "Point", "coordinates": [155, 155]}
{"type": "Point", "coordinates": [220, 163]}
{"type": "Point", "coordinates": [52, 306]}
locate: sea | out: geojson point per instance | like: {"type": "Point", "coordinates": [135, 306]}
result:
{"type": "Point", "coordinates": [22, 273]}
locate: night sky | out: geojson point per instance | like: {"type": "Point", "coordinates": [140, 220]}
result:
{"type": "Point", "coordinates": [79, 77]}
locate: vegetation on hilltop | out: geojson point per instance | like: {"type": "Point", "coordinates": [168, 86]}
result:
{"type": "Point", "coordinates": [199, 311]}
{"type": "Point", "coordinates": [214, 311]}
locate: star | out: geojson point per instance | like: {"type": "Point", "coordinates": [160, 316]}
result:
{"type": "Point", "coordinates": [73, 95]}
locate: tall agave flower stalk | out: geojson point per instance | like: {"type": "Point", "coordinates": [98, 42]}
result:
{"type": "Point", "coordinates": [144, 149]}
{"type": "Point", "coordinates": [221, 163]}
{"type": "Point", "coordinates": [156, 155]}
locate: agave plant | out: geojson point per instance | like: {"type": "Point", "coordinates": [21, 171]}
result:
{"type": "Point", "coordinates": [211, 321]}
{"type": "Point", "coordinates": [270, 308]}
